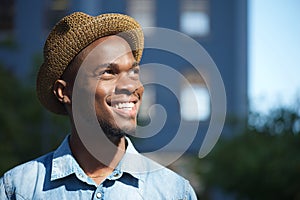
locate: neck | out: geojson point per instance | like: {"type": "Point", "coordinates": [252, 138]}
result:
{"type": "Point", "coordinates": [97, 169]}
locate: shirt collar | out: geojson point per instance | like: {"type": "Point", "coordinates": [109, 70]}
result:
{"type": "Point", "coordinates": [135, 163]}
{"type": "Point", "coordinates": [64, 164]}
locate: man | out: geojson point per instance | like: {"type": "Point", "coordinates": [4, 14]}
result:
{"type": "Point", "coordinates": [91, 73]}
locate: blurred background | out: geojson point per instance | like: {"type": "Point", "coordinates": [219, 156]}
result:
{"type": "Point", "coordinates": [256, 47]}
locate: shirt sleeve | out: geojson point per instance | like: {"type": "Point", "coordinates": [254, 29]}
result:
{"type": "Point", "coordinates": [191, 195]}
{"type": "Point", "coordinates": [3, 193]}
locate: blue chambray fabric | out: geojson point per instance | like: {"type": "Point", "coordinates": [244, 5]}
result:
{"type": "Point", "coordinates": [57, 175]}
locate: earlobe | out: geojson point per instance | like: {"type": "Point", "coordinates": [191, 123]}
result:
{"type": "Point", "coordinates": [61, 92]}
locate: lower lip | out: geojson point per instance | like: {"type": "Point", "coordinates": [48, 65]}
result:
{"type": "Point", "coordinates": [126, 113]}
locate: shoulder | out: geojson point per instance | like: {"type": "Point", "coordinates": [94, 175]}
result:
{"type": "Point", "coordinates": [167, 183]}
{"type": "Point", "coordinates": [25, 176]}
{"type": "Point", "coordinates": [164, 176]}
{"type": "Point", "coordinates": [31, 167]}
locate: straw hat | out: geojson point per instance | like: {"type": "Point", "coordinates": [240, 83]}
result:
{"type": "Point", "coordinates": [71, 35]}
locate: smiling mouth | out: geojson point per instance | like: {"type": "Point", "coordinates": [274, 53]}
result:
{"type": "Point", "coordinates": [126, 106]}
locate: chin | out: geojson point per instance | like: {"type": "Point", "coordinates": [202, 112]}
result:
{"type": "Point", "coordinates": [113, 131]}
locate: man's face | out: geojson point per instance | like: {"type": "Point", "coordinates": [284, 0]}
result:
{"type": "Point", "coordinates": [111, 74]}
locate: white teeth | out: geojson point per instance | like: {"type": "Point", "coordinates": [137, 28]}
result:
{"type": "Point", "coordinates": [125, 106]}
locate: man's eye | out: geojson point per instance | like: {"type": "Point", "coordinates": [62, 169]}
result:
{"type": "Point", "coordinates": [108, 71]}
{"type": "Point", "coordinates": [105, 74]}
{"type": "Point", "coordinates": [134, 71]}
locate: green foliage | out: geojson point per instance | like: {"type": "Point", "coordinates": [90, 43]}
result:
{"type": "Point", "coordinates": [8, 42]}
{"type": "Point", "coordinates": [262, 163]}
{"type": "Point", "coordinates": [26, 130]}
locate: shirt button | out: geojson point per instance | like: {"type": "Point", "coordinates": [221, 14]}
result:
{"type": "Point", "coordinates": [98, 195]}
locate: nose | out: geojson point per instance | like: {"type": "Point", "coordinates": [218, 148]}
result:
{"type": "Point", "coordinates": [127, 85]}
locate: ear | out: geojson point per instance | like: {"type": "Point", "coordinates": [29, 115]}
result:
{"type": "Point", "coordinates": [61, 91]}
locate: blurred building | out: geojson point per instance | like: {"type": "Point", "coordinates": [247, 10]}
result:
{"type": "Point", "coordinates": [219, 26]}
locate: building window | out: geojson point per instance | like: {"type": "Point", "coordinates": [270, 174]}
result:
{"type": "Point", "coordinates": [7, 15]}
{"type": "Point", "coordinates": [143, 11]}
{"type": "Point", "coordinates": [194, 99]}
{"type": "Point", "coordinates": [195, 17]}
{"type": "Point", "coordinates": [56, 10]}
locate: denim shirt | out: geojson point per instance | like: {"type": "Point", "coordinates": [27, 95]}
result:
{"type": "Point", "coordinates": [57, 175]}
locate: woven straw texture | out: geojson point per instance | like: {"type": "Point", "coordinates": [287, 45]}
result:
{"type": "Point", "coordinates": [72, 34]}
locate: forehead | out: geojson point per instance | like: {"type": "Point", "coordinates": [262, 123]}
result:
{"type": "Point", "coordinates": [101, 51]}
{"type": "Point", "coordinates": [106, 48]}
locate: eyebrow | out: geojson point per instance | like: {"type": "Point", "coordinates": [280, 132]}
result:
{"type": "Point", "coordinates": [113, 65]}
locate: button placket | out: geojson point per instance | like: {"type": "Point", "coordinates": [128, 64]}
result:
{"type": "Point", "coordinates": [98, 193]}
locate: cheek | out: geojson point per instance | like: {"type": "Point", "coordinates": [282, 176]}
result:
{"type": "Point", "coordinates": [102, 91]}
{"type": "Point", "coordinates": [140, 91]}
